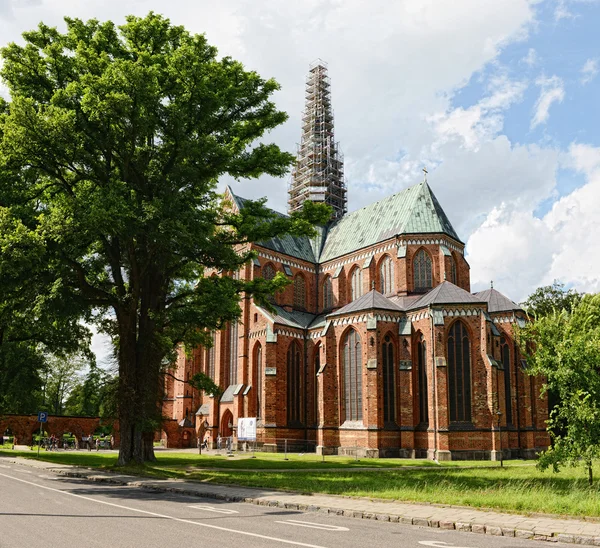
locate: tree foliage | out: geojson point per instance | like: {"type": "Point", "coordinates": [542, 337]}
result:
{"type": "Point", "coordinates": [545, 300]}
{"type": "Point", "coordinates": [93, 395]}
{"type": "Point", "coordinates": [110, 152]}
{"type": "Point", "coordinates": [564, 347]}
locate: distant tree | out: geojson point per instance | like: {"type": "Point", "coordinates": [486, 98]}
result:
{"type": "Point", "coordinates": [62, 375]}
{"type": "Point", "coordinates": [549, 298]}
{"type": "Point", "coordinates": [564, 347]}
{"type": "Point", "coordinates": [110, 152]}
{"type": "Point", "coordinates": [90, 397]}
{"type": "Point", "coordinates": [33, 322]}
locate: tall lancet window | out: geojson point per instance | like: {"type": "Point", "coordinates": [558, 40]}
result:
{"type": "Point", "coordinates": [299, 292]}
{"type": "Point", "coordinates": [260, 382]}
{"type": "Point", "coordinates": [210, 358]}
{"type": "Point", "coordinates": [423, 393]}
{"type": "Point", "coordinates": [422, 271]}
{"type": "Point", "coordinates": [356, 284]}
{"type": "Point", "coordinates": [295, 386]}
{"type": "Point", "coordinates": [233, 352]}
{"type": "Point", "coordinates": [352, 355]}
{"type": "Point", "coordinates": [453, 275]}
{"type": "Point", "coordinates": [386, 275]}
{"type": "Point", "coordinates": [507, 388]}
{"type": "Point", "coordinates": [459, 373]}
{"type": "Point", "coordinates": [389, 381]}
{"type": "Point", "coordinates": [327, 294]}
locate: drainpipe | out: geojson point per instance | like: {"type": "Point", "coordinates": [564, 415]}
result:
{"type": "Point", "coordinates": [434, 386]}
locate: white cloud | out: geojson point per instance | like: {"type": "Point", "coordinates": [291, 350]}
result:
{"type": "Point", "coordinates": [589, 71]}
{"type": "Point", "coordinates": [522, 252]}
{"type": "Point", "coordinates": [531, 58]}
{"type": "Point", "coordinates": [552, 90]}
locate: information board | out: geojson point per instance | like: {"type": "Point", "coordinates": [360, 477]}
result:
{"type": "Point", "coordinates": [246, 430]}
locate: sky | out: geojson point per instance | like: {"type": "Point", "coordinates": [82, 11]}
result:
{"type": "Point", "coordinates": [499, 100]}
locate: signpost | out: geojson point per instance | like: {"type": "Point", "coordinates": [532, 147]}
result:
{"type": "Point", "coordinates": [42, 418]}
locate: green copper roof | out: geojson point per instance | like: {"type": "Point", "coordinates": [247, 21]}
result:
{"type": "Point", "coordinates": [415, 210]}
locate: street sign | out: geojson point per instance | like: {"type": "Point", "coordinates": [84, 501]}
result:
{"type": "Point", "coordinates": [42, 416]}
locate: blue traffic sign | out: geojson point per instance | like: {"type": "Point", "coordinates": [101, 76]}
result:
{"type": "Point", "coordinates": [42, 416]}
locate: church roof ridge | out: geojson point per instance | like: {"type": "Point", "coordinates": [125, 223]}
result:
{"type": "Point", "coordinates": [446, 293]}
{"type": "Point", "coordinates": [373, 300]}
{"type": "Point", "coordinates": [497, 302]}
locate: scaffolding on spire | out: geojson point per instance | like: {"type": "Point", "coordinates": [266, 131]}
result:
{"type": "Point", "coordinates": [318, 175]}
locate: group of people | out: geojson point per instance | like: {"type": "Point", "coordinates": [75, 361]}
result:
{"type": "Point", "coordinates": [228, 441]}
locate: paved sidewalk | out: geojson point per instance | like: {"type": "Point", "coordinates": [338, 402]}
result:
{"type": "Point", "coordinates": [445, 517]}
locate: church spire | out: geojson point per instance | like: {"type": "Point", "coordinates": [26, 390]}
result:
{"type": "Point", "coordinates": [319, 172]}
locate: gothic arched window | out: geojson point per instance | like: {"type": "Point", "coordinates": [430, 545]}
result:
{"type": "Point", "coordinates": [453, 275]}
{"type": "Point", "coordinates": [356, 284]}
{"type": "Point", "coordinates": [423, 393]}
{"type": "Point", "coordinates": [210, 358]}
{"type": "Point", "coordinates": [295, 388]}
{"type": "Point", "coordinates": [389, 381]}
{"type": "Point", "coordinates": [327, 294]}
{"type": "Point", "coordinates": [507, 389]}
{"type": "Point", "coordinates": [299, 291]}
{"type": "Point", "coordinates": [352, 355]}
{"type": "Point", "coordinates": [459, 373]}
{"type": "Point", "coordinates": [233, 352]}
{"type": "Point", "coordinates": [268, 272]}
{"type": "Point", "coordinates": [422, 271]}
{"type": "Point", "coordinates": [258, 367]}
{"type": "Point", "coordinates": [386, 275]}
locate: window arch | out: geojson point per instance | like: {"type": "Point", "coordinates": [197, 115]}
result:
{"type": "Point", "coordinates": [453, 274]}
{"type": "Point", "coordinates": [505, 350]}
{"type": "Point", "coordinates": [459, 372]}
{"type": "Point", "coordinates": [268, 271]}
{"type": "Point", "coordinates": [423, 390]}
{"type": "Point", "coordinates": [327, 293]}
{"type": "Point", "coordinates": [258, 367]}
{"type": "Point", "coordinates": [210, 358]}
{"type": "Point", "coordinates": [352, 356]}
{"type": "Point", "coordinates": [299, 291]}
{"type": "Point", "coordinates": [386, 275]}
{"type": "Point", "coordinates": [422, 271]}
{"type": "Point", "coordinates": [356, 284]}
{"type": "Point", "coordinates": [389, 381]}
{"type": "Point", "coordinates": [295, 388]}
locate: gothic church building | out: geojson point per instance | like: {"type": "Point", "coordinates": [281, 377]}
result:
{"type": "Point", "coordinates": [377, 345]}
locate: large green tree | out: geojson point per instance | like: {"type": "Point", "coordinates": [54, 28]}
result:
{"type": "Point", "coordinates": [112, 146]}
{"type": "Point", "coordinates": [547, 299]}
{"type": "Point", "coordinates": [564, 347]}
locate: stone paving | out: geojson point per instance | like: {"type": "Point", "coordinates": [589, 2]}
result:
{"type": "Point", "coordinates": [545, 528]}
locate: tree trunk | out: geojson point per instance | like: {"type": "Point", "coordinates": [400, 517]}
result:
{"type": "Point", "coordinates": [590, 473]}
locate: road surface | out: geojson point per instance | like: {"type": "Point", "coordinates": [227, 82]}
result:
{"type": "Point", "coordinates": [38, 508]}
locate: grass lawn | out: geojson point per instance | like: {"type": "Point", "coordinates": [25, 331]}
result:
{"type": "Point", "coordinates": [518, 487]}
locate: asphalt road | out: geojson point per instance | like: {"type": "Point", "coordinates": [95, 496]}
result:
{"type": "Point", "coordinates": [43, 509]}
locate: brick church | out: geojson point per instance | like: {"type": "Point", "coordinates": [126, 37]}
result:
{"type": "Point", "coordinates": [377, 346]}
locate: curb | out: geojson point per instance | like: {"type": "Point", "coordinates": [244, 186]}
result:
{"type": "Point", "coordinates": [494, 530]}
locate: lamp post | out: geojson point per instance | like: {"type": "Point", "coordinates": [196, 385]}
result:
{"type": "Point", "coordinates": [499, 415]}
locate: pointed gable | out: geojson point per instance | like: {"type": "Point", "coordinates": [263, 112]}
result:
{"type": "Point", "coordinates": [415, 210]}
{"type": "Point", "coordinates": [496, 301]}
{"type": "Point", "coordinates": [373, 300]}
{"type": "Point", "coordinates": [446, 293]}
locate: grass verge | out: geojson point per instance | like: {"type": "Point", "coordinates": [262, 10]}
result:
{"type": "Point", "coordinates": [518, 487]}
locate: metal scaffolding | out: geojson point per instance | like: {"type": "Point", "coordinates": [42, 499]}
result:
{"type": "Point", "coordinates": [318, 175]}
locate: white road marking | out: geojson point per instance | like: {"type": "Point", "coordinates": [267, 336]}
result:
{"type": "Point", "coordinates": [46, 476]}
{"type": "Point", "coordinates": [4, 466]}
{"type": "Point", "coordinates": [23, 471]}
{"type": "Point", "coordinates": [181, 520]}
{"type": "Point", "coordinates": [438, 544]}
{"type": "Point", "coordinates": [323, 526]}
{"type": "Point", "coordinates": [213, 509]}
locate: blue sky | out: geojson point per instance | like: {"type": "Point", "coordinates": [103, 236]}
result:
{"type": "Point", "coordinates": [499, 99]}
